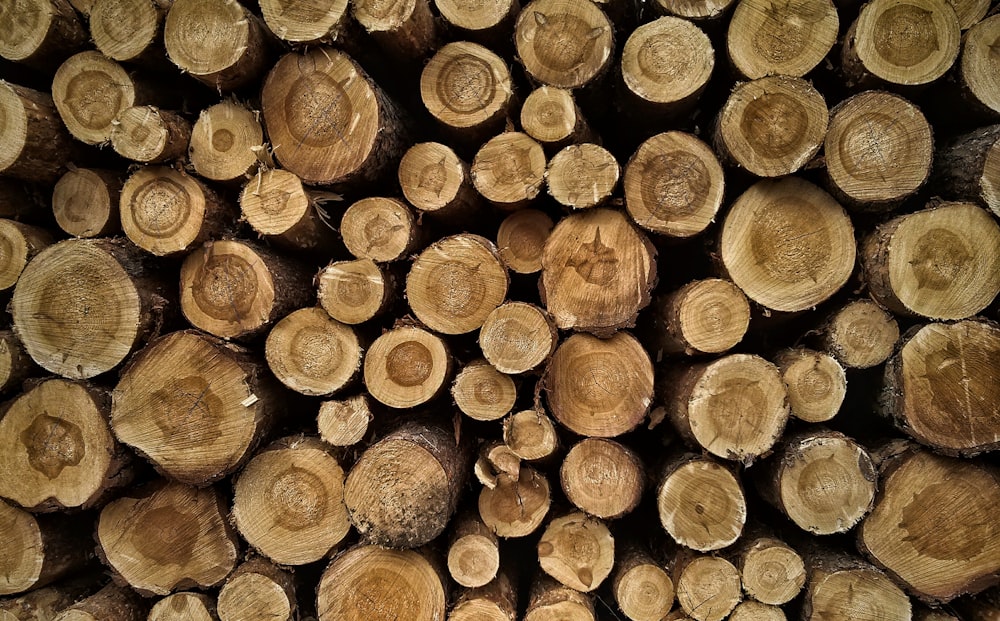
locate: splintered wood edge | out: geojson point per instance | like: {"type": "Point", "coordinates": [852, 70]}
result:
{"type": "Point", "coordinates": [516, 506]}
{"type": "Point", "coordinates": [274, 201]}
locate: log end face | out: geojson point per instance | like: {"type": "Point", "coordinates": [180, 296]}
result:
{"type": "Point", "coordinates": [22, 556]}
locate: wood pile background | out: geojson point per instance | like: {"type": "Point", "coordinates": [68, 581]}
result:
{"type": "Point", "coordinates": [413, 310]}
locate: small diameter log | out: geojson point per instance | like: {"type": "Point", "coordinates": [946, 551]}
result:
{"type": "Point", "coordinates": [707, 316]}
{"type": "Point", "coordinates": [403, 489]}
{"type": "Point", "coordinates": [531, 435]}
{"type": "Point", "coordinates": [564, 43]}
{"type": "Point", "coordinates": [642, 588]}
{"type": "Point", "coordinates": [773, 573]}
{"type": "Point", "coordinates": [496, 601]}
{"type": "Point", "coordinates": [38, 550]}
{"type": "Point", "coordinates": [20, 244]}
{"type": "Point", "coordinates": [551, 601]}
{"type": "Point", "coordinates": [674, 185]}
{"type": "Point", "coordinates": [111, 602]}
{"type": "Point", "coordinates": [787, 244]}
{"type": "Point", "coordinates": [168, 536]}
{"type": "Point", "coordinates": [438, 183]}
{"type": "Point", "coordinates": [45, 603]}
{"type": "Point", "coordinates": [518, 337]}
{"type": "Point", "coordinates": [521, 240]}
{"type": "Point", "coordinates": [941, 388]}
{"type": "Point", "coordinates": [456, 283]}
{"type": "Point", "coordinates": [235, 289]}
{"type": "Point", "coordinates": [217, 42]}
{"type": "Point", "coordinates": [41, 33]}
{"type": "Point", "coordinates": [258, 591]}
{"type": "Point", "coordinates": [942, 262]}
{"type": "Point", "coordinates": [353, 292]}
{"type": "Point", "coordinates": [822, 480]}
{"type": "Point", "coordinates": [582, 176]}
{"type": "Point", "coordinates": [597, 272]}
{"type": "Point", "coordinates": [735, 407]}
{"type": "Point", "coordinates": [874, 52]}
{"type": "Point", "coordinates": [226, 142]}
{"type": "Point", "coordinates": [751, 610]}
{"type": "Point", "coordinates": [483, 393]}
{"type": "Point", "coordinates": [496, 461]}
{"type": "Point", "coordinates": [577, 550]}
{"type": "Point", "coordinates": [165, 211]}
{"type": "Point", "coordinates": [344, 422]}
{"type": "Point", "coordinates": [85, 202]}
{"type": "Point", "coordinates": [405, 29]}
{"type": "Point", "coordinates": [57, 450]}
{"type": "Point", "coordinates": [488, 23]}
{"type": "Point", "coordinates": [603, 478]}
{"type": "Point", "coordinates": [467, 89]}
{"type": "Point", "coordinates": [312, 353]}
{"type": "Point", "coordinates": [380, 229]}
{"type": "Point", "coordinates": [184, 607]}
{"type": "Point", "coordinates": [509, 170]}
{"type": "Point", "coordinates": [816, 382]}
{"type": "Point", "coordinates": [276, 206]}
{"type": "Point", "coordinates": [129, 30]}
{"type": "Point", "coordinates": [15, 363]}
{"type": "Point", "coordinates": [81, 306]}
{"type": "Point", "coordinates": [708, 588]}
{"type": "Point", "coordinates": [148, 135]}
{"type": "Point", "coordinates": [784, 38]}
{"type": "Point", "coordinates": [368, 582]}
{"type": "Point", "coordinates": [842, 587]}
{"type": "Point", "coordinates": [747, 135]}
{"type": "Point", "coordinates": [599, 387]}
{"type": "Point", "coordinates": [34, 144]}
{"type": "Point", "coordinates": [194, 406]}
{"type": "Point", "coordinates": [473, 551]}
{"type": "Point", "coordinates": [666, 64]}
{"type": "Point", "coordinates": [977, 67]}
{"type": "Point", "coordinates": [860, 334]}
{"type": "Point", "coordinates": [517, 505]}
{"type": "Point", "coordinates": [330, 123]}
{"type": "Point", "coordinates": [288, 503]}
{"type": "Point", "coordinates": [406, 366]}
{"type": "Point", "coordinates": [967, 168]}
{"type": "Point", "coordinates": [879, 150]}
{"type": "Point", "coordinates": [309, 21]}
{"type": "Point", "coordinates": [550, 116]}
{"type": "Point", "coordinates": [698, 11]}
{"type": "Point", "coordinates": [701, 503]}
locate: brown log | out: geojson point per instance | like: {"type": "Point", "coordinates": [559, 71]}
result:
{"type": "Point", "coordinates": [85, 202]}
{"type": "Point", "coordinates": [39, 550]}
{"type": "Point", "coordinates": [184, 607]}
{"type": "Point", "coordinates": [816, 383]}
{"type": "Point", "coordinates": [521, 240]}
{"type": "Point", "coordinates": [707, 316]}
{"type": "Point", "coordinates": [258, 591]}
{"type": "Point", "coordinates": [482, 392]}
{"type": "Point", "coordinates": [577, 550]}
{"type": "Point", "coordinates": [860, 334]}
{"type": "Point", "coordinates": [21, 243]}
{"type": "Point", "coordinates": [967, 168]}
{"type": "Point", "coordinates": [354, 292]}
{"type": "Point", "coordinates": [841, 586]}
{"type": "Point", "coordinates": [698, 11]}
{"type": "Point", "coordinates": [751, 610]}
{"type": "Point", "coordinates": [15, 363]}
{"type": "Point", "coordinates": [129, 30]}
{"type": "Point", "coordinates": [517, 505]}
{"type": "Point", "coordinates": [344, 422]}
{"type": "Point", "coordinates": [307, 21]}
{"type": "Point", "coordinates": [496, 601]}
{"type": "Point", "coordinates": [438, 183]}
{"type": "Point", "coordinates": [473, 551]}
{"type": "Point", "coordinates": [41, 33]}
{"type": "Point", "coordinates": [564, 44]}
{"type": "Point", "coordinates": [582, 176]}
{"type": "Point", "coordinates": [34, 143]}
{"type": "Point", "coordinates": [277, 207]}
{"type": "Point", "coordinates": [509, 170]}
{"type": "Point", "coordinates": [406, 367]}
{"type": "Point", "coordinates": [518, 337]}
{"type": "Point", "coordinates": [111, 602]}
{"type": "Point", "coordinates": [45, 603]}
{"type": "Point", "coordinates": [551, 601]}
{"type": "Point", "coordinates": [381, 229]}
{"type": "Point", "coordinates": [701, 503]}
{"type": "Point", "coordinates": [641, 586]}
{"type": "Point", "coordinates": [496, 462]}
{"type": "Point", "coordinates": [787, 38]}
{"type": "Point", "coordinates": [405, 29]}
{"type": "Point", "coordinates": [772, 572]}
{"type": "Point", "coordinates": [148, 135]}
{"type": "Point", "coordinates": [550, 116]}
{"type": "Point", "coordinates": [976, 67]}
{"type": "Point", "coordinates": [227, 141]}
{"type": "Point", "coordinates": [487, 23]}
{"type": "Point", "coordinates": [531, 435]}
{"type": "Point", "coordinates": [312, 353]}
{"type": "Point", "coordinates": [708, 587]}
{"type": "Point", "coordinates": [603, 478]}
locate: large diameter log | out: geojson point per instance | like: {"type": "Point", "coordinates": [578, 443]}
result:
{"type": "Point", "coordinates": [34, 143]}
{"type": "Point", "coordinates": [111, 602]}
{"type": "Point", "coordinates": [226, 142]}
{"type": "Point", "coordinates": [40, 33]}
{"type": "Point", "coordinates": [406, 367]}
{"type": "Point", "coordinates": [129, 30]}
{"type": "Point", "coordinates": [860, 334]}
{"type": "Point", "coordinates": [258, 591]}
{"type": "Point", "coordinates": [701, 503]}
{"type": "Point", "coordinates": [564, 43]}
{"type": "Point", "coordinates": [968, 168]}
{"type": "Point", "coordinates": [168, 536]}
{"type": "Point", "coordinates": [194, 406]}
{"type": "Point", "coordinates": [85, 202]}
{"type": "Point", "coordinates": [842, 587]}
{"type": "Point", "coordinates": [787, 38]}
{"type": "Point", "coordinates": [941, 389]}
{"type": "Point", "coordinates": [38, 550]}
{"type": "Point", "coordinates": [57, 450]}
{"type": "Point", "coordinates": [404, 488]}
{"type": "Point", "coordinates": [82, 305]}
{"type": "Point", "coordinates": [577, 550]}
{"type": "Point", "coordinates": [977, 67]}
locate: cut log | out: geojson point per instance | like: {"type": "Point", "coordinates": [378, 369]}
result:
{"type": "Point", "coordinates": [873, 51]}
{"type": "Point", "coordinates": [82, 305]}
{"type": "Point", "coordinates": [577, 550]}
{"type": "Point", "coordinates": [784, 38]}
{"type": "Point", "coordinates": [258, 591]}
{"type": "Point", "coordinates": [842, 587]}
{"type": "Point", "coordinates": [701, 503]}
{"type": "Point", "coordinates": [15, 363]}
{"type": "Point", "coordinates": [276, 206]}
{"type": "Point", "coordinates": [405, 29]}
{"type": "Point", "coordinates": [235, 289]}
{"type": "Point", "coordinates": [194, 406]}
{"type": "Point", "coordinates": [164, 211]}
{"type": "Point", "coordinates": [698, 11]}
{"type": "Point", "coordinates": [750, 610]}
{"type": "Point", "coordinates": [456, 283]}
{"type": "Point", "coordinates": [772, 126]}
{"type": "Point", "coordinates": [603, 478]}
{"type": "Point", "coordinates": [353, 292]}
{"type": "Point", "coordinates": [495, 462]}
{"type": "Point", "coordinates": [509, 170]}
{"type": "Point", "coordinates": [942, 262]}
{"type": "Point", "coordinates": [564, 43]}
{"type": "Point", "coordinates": [674, 185]}
{"type": "Point", "coordinates": [816, 383]}
{"type": "Point", "coordinates": [129, 30]}
{"type": "Point", "coordinates": [518, 337]}
{"type": "Point", "coordinates": [344, 422]}
{"type": "Point", "coordinates": [167, 536]}
{"type": "Point", "coordinates": [41, 33]}
{"type": "Point", "coordinates": [860, 334]}
{"type": "Point", "coordinates": [487, 23]}
{"type": "Point", "coordinates": [438, 183]}
{"type": "Point", "coordinates": [787, 244]}
{"type": "Point", "coordinates": [184, 607]}
{"type": "Point", "coordinates": [551, 601]}
{"type": "Point", "coordinates": [57, 450]}
{"type": "Point", "coordinates": [85, 202]}
{"type": "Point", "coordinates": [45, 603]}
{"type": "Point", "coordinates": [582, 175]}
{"type": "Point", "coordinates": [531, 435]}
{"type": "Point", "coordinates": [406, 367]}
{"type": "Point", "coordinates": [599, 388]}
{"type": "Point", "coordinates": [148, 135]}
{"type": "Point", "coordinates": [34, 144]}
{"type": "Point", "coordinates": [735, 407]}
{"type": "Point", "coordinates": [772, 572]}
{"type": "Point", "coordinates": [312, 353]}
{"type": "Point", "coordinates": [404, 489]}
{"type": "Point", "coordinates": [306, 21]}
{"type": "Point", "coordinates": [381, 229]}
{"type": "Point", "coordinates": [642, 588]}
{"type": "Point", "coordinates": [39, 550]}
{"type": "Point", "coordinates": [708, 588]}
{"type": "Point", "coordinates": [977, 68]}
{"type": "Point", "coordinates": [328, 120]}
{"type": "Point", "coordinates": [111, 602]}
{"type": "Point", "coordinates": [597, 272]}
{"type": "Point", "coordinates": [473, 551]}
{"type": "Point", "coordinates": [226, 142]}
{"type": "Point", "coordinates": [483, 393]}
{"type": "Point", "coordinates": [707, 316]}
{"type": "Point", "coordinates": [369, 583]}
{"type": "Point", "coordinates": [20, 243]}
{"type": "Point", "coordinates": [940, 388]}
{"type": "Point", "coordinates": [288, 502]}
{"type": "Point", "coordinates": [517, 505]}
{"type": "Point", "coordinates": [521, 240]}
{"type": "Point", "coordinates": [967, 168]}
{"type": "Point", "coordinates": [550, 116]}
{"type": "Point", "coordinates": [496, 601]}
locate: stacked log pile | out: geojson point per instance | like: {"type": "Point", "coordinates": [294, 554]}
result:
{"type": "Point", "coordinates": [477, 310]}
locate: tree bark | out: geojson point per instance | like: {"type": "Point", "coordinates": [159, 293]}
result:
{"type": "Point", "coordinates": [42, 33]}
{"type": "Point", "coordinates": [967, 168]}
{"type": "Point", "coordinates": [277, 207]}
{"type": "Point", "coordinates": [34, 145]}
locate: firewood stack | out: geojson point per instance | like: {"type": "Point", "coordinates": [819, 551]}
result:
{"type": "Point", "coordinates": [573, 310]}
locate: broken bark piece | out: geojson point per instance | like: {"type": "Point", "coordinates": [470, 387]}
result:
{"type": "Point", "coordinates": [551, 601]}
{"type": "Point", "coordinates": [312, 353]}
{"type": "Point", "coordinates": [577, 550]}
{"type": "Point", "coordinates": [15, 363]}
{"type": "Point", "coordinates": [603, 478]}
{"type": "Point", "coordinates": [85, 202]}
{"type": "Point", "coordinates": [509, 170]}
{"type": "Point", "coordinates": [841, 586]}
{"type": "Point", "coordinates": [226, 142]}
{"type": "Point", "coordinates": [564, 43]}
{"type": "Point", "coordinates": [784, 38]}
{"type": "Point", "coordinates": [483, 393]}
{"type": "Point", "coordinates": [406, 367]}
{"type": "Point", "coordinates": [816, 383]}
{"type": "Point", "coordinates": [701, 503]}
{"type": "Point", "coordinates": [111, 602]}
{"type": "Point", "coordinates": [860, 334]}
